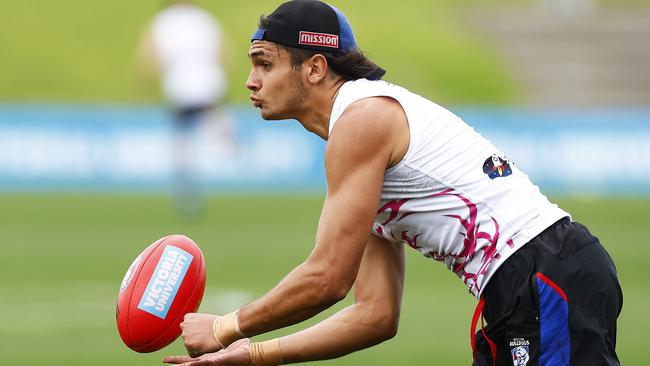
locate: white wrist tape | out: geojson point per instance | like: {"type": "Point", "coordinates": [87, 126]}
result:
{"type": "Point", "coordinates": [226, 329]}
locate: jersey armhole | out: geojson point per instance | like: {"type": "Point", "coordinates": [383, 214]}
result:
{"type": "Point", "coordinates": [408, 126]}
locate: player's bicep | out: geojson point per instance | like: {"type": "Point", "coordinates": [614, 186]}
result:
{"type": "Point", "coordinates": [356, 158]}
{"type": "Point", "coordinates": [358, 152]}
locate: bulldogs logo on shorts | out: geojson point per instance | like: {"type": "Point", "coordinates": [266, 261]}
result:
{"type": "Point", "coordinates": [520, 356]}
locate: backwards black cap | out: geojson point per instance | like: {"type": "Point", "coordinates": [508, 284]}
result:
{"type": "Point", "coordinates": [315, 25]}
{"type": "Point", "coordinates": [309, 24]}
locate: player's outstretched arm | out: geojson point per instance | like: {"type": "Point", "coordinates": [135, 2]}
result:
{"type": "Point", "coordinates": [359, 150]}
{"type": "Point", "coordinates": [371, 320]}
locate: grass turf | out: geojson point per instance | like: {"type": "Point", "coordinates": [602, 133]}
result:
{"type": "Point", "coordinates": [74, 50]}
{"type": "Point", "coordinates": [63, 258]}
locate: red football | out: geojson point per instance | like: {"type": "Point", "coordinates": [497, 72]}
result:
{"type": "Point", "coordinates": [165, 282]}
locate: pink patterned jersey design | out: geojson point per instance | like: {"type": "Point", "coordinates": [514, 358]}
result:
{"type": "Point", "coordinates": [474, 240]}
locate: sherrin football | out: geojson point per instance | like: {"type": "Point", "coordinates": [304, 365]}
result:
{"type": "Point", "coordinates": [165, 282]}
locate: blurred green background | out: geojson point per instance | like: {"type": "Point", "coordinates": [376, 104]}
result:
{"type": "Point", "coordinates": [74, 50]}
{"type": "Point", "coordinates": [64, 255]}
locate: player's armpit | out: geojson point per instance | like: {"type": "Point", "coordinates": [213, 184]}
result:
{"type": "Point", "coordinates": [371, 320]}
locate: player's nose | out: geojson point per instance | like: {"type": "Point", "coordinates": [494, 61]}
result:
{"type": "Point", "coordinates": [252, 83]}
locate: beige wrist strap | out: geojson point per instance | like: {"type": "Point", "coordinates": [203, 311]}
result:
{"type": "Point", "coordinates": [265, 353]}
{"type": "Point", "coordinates": [226, 329]}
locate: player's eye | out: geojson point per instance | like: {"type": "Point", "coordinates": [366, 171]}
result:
{"type": "Point", "coordinates": [264, 65]}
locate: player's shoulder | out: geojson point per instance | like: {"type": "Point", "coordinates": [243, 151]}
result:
{"type": "Point", "coordinates": [369, 129]}
{"type": "Point", "coordinates": [372, 116]}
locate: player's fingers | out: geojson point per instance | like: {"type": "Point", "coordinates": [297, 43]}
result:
{"type": "Point", "coordinates": [193, 349]}
{"type": "Point", "coordinates": [198, 363]}
{"type": "Point", "coordinates": [176, 359]}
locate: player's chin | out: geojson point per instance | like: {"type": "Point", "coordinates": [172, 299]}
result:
{"type": "Point", "coordinates": [269, 115]}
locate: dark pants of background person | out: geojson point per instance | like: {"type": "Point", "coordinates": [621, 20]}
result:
{"type": "Point", "coordinates": [188, 191]}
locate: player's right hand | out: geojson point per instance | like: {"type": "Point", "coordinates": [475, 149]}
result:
{"type": "Point", "coordinates": [198, 335]}
{"type": "Point", "coordinates": [237, 354]}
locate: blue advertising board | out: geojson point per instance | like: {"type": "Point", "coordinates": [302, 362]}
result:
{"type": "Point", "coordinates": [132, 148]}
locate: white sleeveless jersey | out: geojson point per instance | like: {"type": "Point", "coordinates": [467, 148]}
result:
{"type": "Point", "coordinates": [187, 44]}
{"type": "Point", "coordinates": [454, 196]}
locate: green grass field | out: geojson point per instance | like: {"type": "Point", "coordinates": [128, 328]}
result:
{"type": "Point", "coordinates": [63, 258]}
{"type": "Point", "coordinates": [74, 50]}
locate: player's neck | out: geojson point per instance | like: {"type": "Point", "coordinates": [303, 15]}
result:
{"type": "Point", "coordinates": [315, 117]}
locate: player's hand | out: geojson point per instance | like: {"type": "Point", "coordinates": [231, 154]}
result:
{"type": "Point", "coordinates": [237, 354]}
{"type": "Point", "coordinates": [198, 335]}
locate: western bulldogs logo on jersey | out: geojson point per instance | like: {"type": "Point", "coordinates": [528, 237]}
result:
{"type": "Point", "coordinates": [496, 166]}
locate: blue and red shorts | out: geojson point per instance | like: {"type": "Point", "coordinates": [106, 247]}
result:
{"type": "Point", "coordinates": [554, 302]}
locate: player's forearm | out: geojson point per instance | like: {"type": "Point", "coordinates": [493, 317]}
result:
{"type": "Point", "coordinates": [326, 276]}
{"type": "Point", "coordinates": [303, 293]}
{"type": "Point", "coordinates": [350, 330]}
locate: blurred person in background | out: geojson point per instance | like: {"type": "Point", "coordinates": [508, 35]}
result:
{"type": "Point", "coordinates": [404, 171]}
{"type": "Point", "coordinates": [183, 47]}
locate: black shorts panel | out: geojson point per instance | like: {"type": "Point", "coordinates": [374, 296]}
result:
{"type": "Point", "coordinates": [573, 264]}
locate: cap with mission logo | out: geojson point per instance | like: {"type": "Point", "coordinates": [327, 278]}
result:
{"type": "Point", "coordinates": [309, 24]}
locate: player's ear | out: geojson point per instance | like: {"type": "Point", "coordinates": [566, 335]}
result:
{"type": "Point", "coordinates": [316, 68]}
